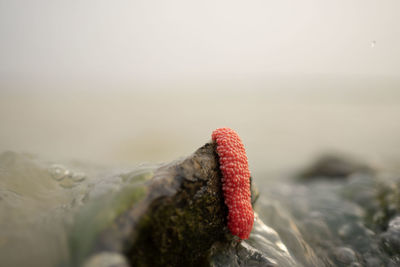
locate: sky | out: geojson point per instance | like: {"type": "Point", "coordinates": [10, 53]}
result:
{"type": "Point", "coordinates": [179, 39]}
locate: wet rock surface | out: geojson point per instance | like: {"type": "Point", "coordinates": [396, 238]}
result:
{"type": "Point", "coordinates": [186, 215]}
{"type": "Point", "coordinates": [175, 211]}
{"type": "Point", "coordinates": [346, 222]}
{"type": "Point", "coordinates": [178, 214]}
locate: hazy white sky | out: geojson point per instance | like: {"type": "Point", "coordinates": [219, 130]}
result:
{"type": "Point", "coordinates": [147, 40]}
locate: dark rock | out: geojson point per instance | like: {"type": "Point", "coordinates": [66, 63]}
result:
{"type": "Point", "coordinates": [333, 166]}
{"type": "Point", "coordinates": [175, 219]}
{"type": "Point", "coordinates": [182, 222]}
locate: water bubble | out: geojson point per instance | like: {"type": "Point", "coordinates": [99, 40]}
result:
{"type": "Point", "coordinates": [65, 177]}
{"type": "Point", "coordinates": [57, 172]}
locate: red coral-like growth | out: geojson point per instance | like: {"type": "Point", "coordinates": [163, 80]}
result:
{"type": "Point", "coordinates": [235, 181]}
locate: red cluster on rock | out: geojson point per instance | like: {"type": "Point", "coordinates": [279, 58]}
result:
{"type": "Point", "coordinates": [235, 181]}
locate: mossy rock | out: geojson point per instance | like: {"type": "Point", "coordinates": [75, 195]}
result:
{"type": "Point", "coordinates": [171, 219]}
{"type": "Point", "coordinates": [180, 229]}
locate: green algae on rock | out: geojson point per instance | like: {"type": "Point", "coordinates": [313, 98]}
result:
{"type": "Point", "coordinates": [96, 219]}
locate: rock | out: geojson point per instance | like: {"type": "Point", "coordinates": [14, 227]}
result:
{"type": "Point", "coordinates": [63, 215]}
{"type": "Point", "coordinates": [176, 215]}
{"type": "Point", "coordinates": [333, 166]}
{"type": "Point", "coordinates": [345, 255]}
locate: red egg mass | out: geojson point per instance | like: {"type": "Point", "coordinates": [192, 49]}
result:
{"type": "Point", "coordinates": [235, 181]}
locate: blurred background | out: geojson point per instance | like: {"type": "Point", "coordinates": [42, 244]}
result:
{"type": "Point", "coordinates": [125, 82]}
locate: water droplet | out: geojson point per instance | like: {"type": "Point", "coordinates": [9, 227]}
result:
{"type": "Point", "coordinates": [373, 44]}
{"type": "Point", "coordinates": [57, 172]}
{"type": "Point", "coordinates": [65, 177]}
